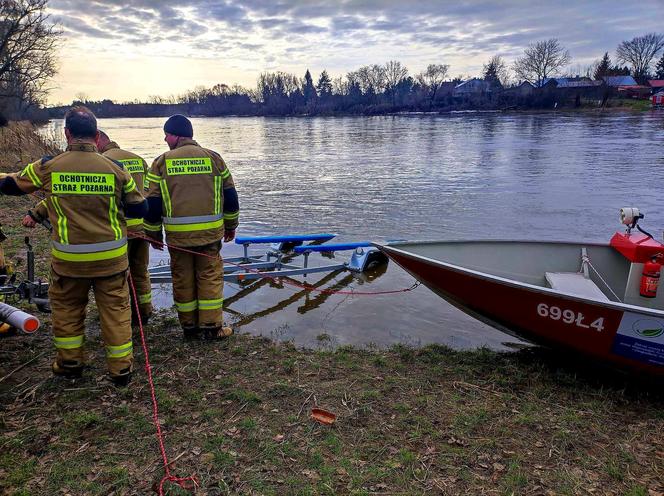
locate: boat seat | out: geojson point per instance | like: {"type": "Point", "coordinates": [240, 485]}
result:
{"type": "Point", "coordinates": [574, 283]}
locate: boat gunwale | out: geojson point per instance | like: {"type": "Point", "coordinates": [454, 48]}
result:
{"type": "Point", "coordinates": [393, 246]}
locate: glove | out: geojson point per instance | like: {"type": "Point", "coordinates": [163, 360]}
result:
{"type": "Point", "coordinates": [229, 235]}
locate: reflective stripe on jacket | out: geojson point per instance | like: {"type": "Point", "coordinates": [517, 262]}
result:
{"type": "Point", "coordinates": [85, 192]}
{"type": "Point", "coordinates": [137, 167]}
{"type": "Point", "coordinates": [190, 180]}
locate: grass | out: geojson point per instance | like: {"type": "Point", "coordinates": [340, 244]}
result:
{"type": "Point", "coordinates": [422, 421]}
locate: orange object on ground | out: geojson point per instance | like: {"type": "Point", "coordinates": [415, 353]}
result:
{"type": "Point", "coordinates": [323, 416]}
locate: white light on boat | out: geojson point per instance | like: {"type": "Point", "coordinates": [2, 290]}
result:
{"type": "Point", "coordinates": [629, 214]}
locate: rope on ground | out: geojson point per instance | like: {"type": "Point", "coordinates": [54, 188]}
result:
{"type": "Point", "coordinates": [296, 284]}
{"type": "Point", "coordinates": [168, 477]}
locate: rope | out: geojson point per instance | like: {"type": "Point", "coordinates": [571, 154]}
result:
{"type": "Point", "coordinates": [181, 481]}
{"type": "Point", "coordinates": [290, 282]}
{"type": "Point", "coordinates": [586, 259]}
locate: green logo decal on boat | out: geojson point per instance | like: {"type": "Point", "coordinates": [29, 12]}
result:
{"type": "Point", "coordinates": [648, 328]}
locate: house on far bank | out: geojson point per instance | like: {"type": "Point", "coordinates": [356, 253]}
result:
{"type": "Point", "coordinates": [657, 85]}
{"type": "Point", "coordinates": [658, 99]}
{"type": "Point", "coordinates": [524, 89]}
{"type": "Point", "coordinates": [616, 81]}
{"type": "Point", "coordinates": [627, 87]}
{"type": "Point", "coordinates": [470, 87]}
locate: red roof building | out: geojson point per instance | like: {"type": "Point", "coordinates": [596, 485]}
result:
{"type": "Point", "coordinates": [656, 84]}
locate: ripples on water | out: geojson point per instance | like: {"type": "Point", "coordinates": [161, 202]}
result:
{"type": "Point", "coordinates": [528, 176]}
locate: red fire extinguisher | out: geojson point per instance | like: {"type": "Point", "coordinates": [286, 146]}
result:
{"type": "Point", "coordinates": [650, 278]}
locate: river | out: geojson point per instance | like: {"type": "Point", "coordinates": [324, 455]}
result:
{"type": "Point", "coordinates": [456, 176]}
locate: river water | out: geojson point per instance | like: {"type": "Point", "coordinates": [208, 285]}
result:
{"type": "Point", "coordinates": [552, 176]}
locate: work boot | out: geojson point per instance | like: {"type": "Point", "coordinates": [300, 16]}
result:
{"type": "Point", "coordinates": [122, 379]}
{"type": "Point", "coordinates": [214, 333]}
{"type": "Point", "coordinates": [70, 369]}
{"type": "Point", "coordinates": [191, 333]}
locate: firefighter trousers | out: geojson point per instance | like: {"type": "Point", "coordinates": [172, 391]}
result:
{"type": "Point", "coordinates": [139, 258]}
{"type": "Point", "coordinates": [198, 283]}
{"type": "Point", "coordinates": [69, 298]}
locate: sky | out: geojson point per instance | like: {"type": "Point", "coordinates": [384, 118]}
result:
{"type": "Point", "coordinates": [127, 50]}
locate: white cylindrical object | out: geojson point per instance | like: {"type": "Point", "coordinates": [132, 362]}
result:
{"type": "Point", "coordinates": [628, 214]}
{"type": "Point", "coordinates": [18, 318]}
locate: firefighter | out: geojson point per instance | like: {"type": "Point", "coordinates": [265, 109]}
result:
{"type": "Point", "coordinates": [88, 198]}
{"type": "Point", "coordinates": [138, 248]}
{"type": "Point", "coordinates": [192, 194]}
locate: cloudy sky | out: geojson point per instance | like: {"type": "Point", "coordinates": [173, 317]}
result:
{"type": "Point", "coordinates": [125, 50]}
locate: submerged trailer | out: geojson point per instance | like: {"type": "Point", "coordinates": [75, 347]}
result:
{"type": "Point", "coordinates": [281, 257]}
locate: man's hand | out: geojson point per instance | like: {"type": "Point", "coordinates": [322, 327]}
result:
{"type": "Point", "coordinates": [229, 236]}
{"type": "Point", "coordinates": [156, 246]}
{"type": "Point", "coordinates": [29, 222]}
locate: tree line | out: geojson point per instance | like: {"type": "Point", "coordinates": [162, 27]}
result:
{"type": "Point", "coordinates": [390, 87]}
{"type": "Point", "coordinates": [28, 39]}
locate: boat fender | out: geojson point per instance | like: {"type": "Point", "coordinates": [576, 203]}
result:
{"type": "Point", "coordinates": [650, 278]}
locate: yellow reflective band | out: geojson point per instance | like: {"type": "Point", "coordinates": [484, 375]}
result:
{"type": "Point", "coordinates": [152, 227]}
{"type": "Point", "coordinates": [130, 186]}
{"type": "Point", "coordinates": [146, 184]}
{"type": "Point", "coordinates": [62, 221]}
{"type": "Point", "coordinates": [82, 183]}
{"type": "Point", "coordinates": [189, 306]}
{"type": "Point", "coordinates": [217, 194]}
{"type": "Point", "coordinates": [30, 172]}
{"type": "Point", "coordinates": [133, 165]}
{"type": "Point", "coordinates": [225, 174]}
{"type": "Point", "coordinates": [134, 222]}
{"type": "Point", "coordinates": [231, 215]}
{"type": "Point", "coordinates": [210, 304]}
{"type": "Point", "coordinates": [167, 198]}
{"type": "Point", "coordinates": [152, 177]}
{"type": "Point", "coordinates": [144, 298]}
{"type": "Point", "coordinates": [119, 351]}
{"type": "Point", "coordinates": [199, 226]}
{"type": "Point", "coordinates": [113, 217]}
{"type": "Point", "coordinates": [187, 166]}
{"type": "Point", "coordinates": [89, 257]}
{"type": "Point", "coordinates": [69, 343]}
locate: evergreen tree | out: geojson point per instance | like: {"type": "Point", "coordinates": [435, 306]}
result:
{"type": "Point", "coordinates": [308, 89]}
{"type": "Point", "coordinates": [603, 68]}
{"type": "Point", "coordinates": [324, 85]}
{"type": "Point", "coordinates": [495, 71]}
{"type": "Point", "coordinates": [659, 68]}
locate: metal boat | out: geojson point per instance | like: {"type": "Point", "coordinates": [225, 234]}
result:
{"type": "Point", "coordinates": [577, 297]}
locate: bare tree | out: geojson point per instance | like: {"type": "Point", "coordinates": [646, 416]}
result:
{"type": "Point", "coordinates": [371, 79]}
{"type": "Point", "coordinates": [27, 44]}
{"type": "Point", "coordinates": [540, 61]}
{"type": "Point", "coordinates": [639, 53]}
{"type": "Point", "coordinates": [432, 78]}
{"type": "Point", "coordinates": [395, 73]}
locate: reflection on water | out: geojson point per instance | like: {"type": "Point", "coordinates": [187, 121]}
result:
{"type": "Point", "coordinates": [458, 176]}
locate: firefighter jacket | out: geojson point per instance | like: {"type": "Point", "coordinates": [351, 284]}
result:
{"type": "Point", "coordinates": [191, 192]}
{"type": "Point", "coordinates": [86, 197]}
{"type": "Point", "coordinates": [136, 166]}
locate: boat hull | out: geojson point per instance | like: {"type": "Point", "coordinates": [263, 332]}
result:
{"type": "Point", "coordinates": [622, 335]}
